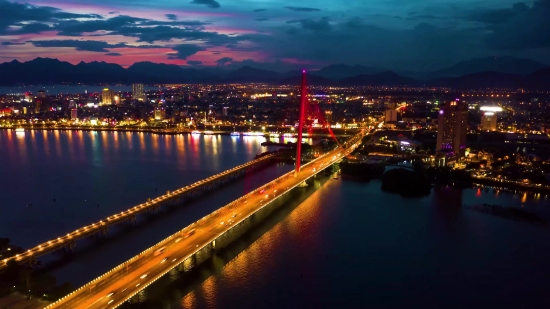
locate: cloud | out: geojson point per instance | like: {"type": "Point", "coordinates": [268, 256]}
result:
{"type": "Point", "coordinates": [301, 9]}
{"type": "Point", "coordinates": [16, 14]}
{"type": "Point", "coordinates": [12, 43]}
{"type": "Point", "coordinates": [113, 54]}
{"type": "Point", "coordinates": [259, 10]}
{"type": "Point", "coordinates": [209, 3]}
{"type": "Point", "coordinates": [171, 16]}
{"type": "Point", "coordinates": [184, 50]}
{"type": "Point", "coordinates": [194, 62]}
{"type": "Point", "coordinates": [223, 61]}
{"type": "Point", "coordinates": [517, 28]}
{"type": "Point", "coordinates": [93, 46]}
{"type": "Point", "coordinates": [261, 19]}
{"type": "Point", "coordinates": [321, 25]}
{"type": "Point", "coordinates": [113, 12]}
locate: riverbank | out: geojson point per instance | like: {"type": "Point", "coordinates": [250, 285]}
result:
{"type": "Point", "coordinates": [272, 132]}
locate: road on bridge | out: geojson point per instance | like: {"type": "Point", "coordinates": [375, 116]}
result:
{"type": "Point", "coordinates": [114, 288]}
{"type": "Point", "coordinates": [93, 228]}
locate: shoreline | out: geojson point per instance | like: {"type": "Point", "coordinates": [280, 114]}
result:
{"type": "Point", "coordinates": [166, 131]}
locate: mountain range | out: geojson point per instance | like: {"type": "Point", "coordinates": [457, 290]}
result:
{"type": "Point", "coordinates": [493, 72]}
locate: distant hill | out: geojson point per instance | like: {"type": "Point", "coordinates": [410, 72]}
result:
{"type": "Point", "coordinates": [388, 78]}
{"type": "Point", "coordinates": [506, 64]}
{"type": "Point", "coordinates": [538, 80]}
{"type": "Point", "coordinates": [341, 71]}
{"type": "Point", "coordinates": [311, 79]}
{"type": "Point", "coordinates": [53, 71]}
{"type": "Point", "coordinates": [480, 81]}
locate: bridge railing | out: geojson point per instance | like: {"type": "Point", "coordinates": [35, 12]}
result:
{"type": "Point", "coordinates": [193, 225]}
{"type": "Point", "coordinates": [87, 230]}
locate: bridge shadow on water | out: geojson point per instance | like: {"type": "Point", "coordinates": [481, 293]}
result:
{"type": "Point", "coordinates": [169, 291]}
{"type": "Point", "coordinates": [97, 254]}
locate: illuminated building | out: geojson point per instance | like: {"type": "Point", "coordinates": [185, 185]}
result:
{"type": "Point", "coordinates": [41, 94]}
{"type": "Point", "coordinates": [489, 121]}
{"type": "Point", "coordinates": [138, 92]}
{"type": "Point", "coordinates": [38, 105]}
{"type": "Point", "coordinates": [28, 96]}
{"type": "Point", "coordinates": [390, 116]}
{"type": "Point", "coordinates": [116, 99]}
{"type": "Point", "coordinates": [328, 116]}
{"type": "Point", "coordinates": [106, 97]}
{"type": "Point", "coordinates": [159, 113]}
{"type": "Point", "coordinates": [452, 128]}
{"type": "Point", "coordinates": [74, 113]}
{"type": "Point", "coordinates": [225, 111]}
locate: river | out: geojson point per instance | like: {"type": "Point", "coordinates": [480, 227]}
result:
{"type": "Point", "coordinates": [348, 245]}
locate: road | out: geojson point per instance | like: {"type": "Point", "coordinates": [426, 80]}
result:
{"type": "Point", "coordinates": [96, 227]}
{"type": "Point", "coordinates": [128, 280]}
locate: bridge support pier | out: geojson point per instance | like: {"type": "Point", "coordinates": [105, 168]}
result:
{"type": "Point", "coordinates": [32, 262]}
{"type": "Point", "coordinates": [131, 219]}
{"type": "Point", "coordinates": [104, 232]}
{"type": "Point", "coordinates": [71, 246]}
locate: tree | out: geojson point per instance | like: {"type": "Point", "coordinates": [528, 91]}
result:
{"type": "Point", "coordinates": [25, 278]}
{"type": "Point", "coordinates": [4, 243]}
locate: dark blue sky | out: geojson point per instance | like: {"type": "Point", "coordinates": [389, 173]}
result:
{"type": "Point", "coordinates": [395, 34]}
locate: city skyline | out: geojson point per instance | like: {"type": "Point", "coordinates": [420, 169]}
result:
{"type": "Point", "coordinates": [409, 35]}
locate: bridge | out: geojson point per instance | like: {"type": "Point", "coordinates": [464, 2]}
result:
{"type": "Point", "coordinates": [101, 227]}
{"type": "Point", "coordinates": [196, 242]}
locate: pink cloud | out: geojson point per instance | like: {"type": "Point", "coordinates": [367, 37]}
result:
{"type": "Point", "coordinates": [141, 12]}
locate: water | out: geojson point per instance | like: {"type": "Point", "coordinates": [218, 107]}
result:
{"type": "Point", "coordinates": [57, 89]}
{"type": "Point", "coordinates": [349, 245]}
{"type": "Point", "coordinates": [54, 182]}
{"type": "Point", "coordinates": [352, 246]}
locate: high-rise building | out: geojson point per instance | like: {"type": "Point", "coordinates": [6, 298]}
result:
{"type": "Point", "coordinates": [41, 94]}
{"type": "Point", "coordinates": [107, 97]}
{"type": "Point", "coordinates": [390, 115]}
{"type": "Point", "coordinates": [328, 116]}
{"type": "Point", "coordinates": [38, 105]}
{"type": "Point", "coordinates": [74, 113]}
{"type": "Point", "coordinates": [225, 111]}
{"type": "Point", "coordinates": [138, 92]}
{"type": "Point", "coordinates": [452, 127]}
{"type": "Point", "coordinates": [489, 121]}
{"type": "Point", "coordinates": [28, 96]}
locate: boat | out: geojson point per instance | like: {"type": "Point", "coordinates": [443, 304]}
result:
{"type": "Point", "coordinates": [19, 130]}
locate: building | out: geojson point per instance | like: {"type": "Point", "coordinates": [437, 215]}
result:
{"type": "Point", "coordinates": [138, 92]}
{"type": "Point", "coordinates": [328, 116]}
{"type": "Point", "coordinates": [390, 116]}
{"type": "Point", "coordinates": [226, 111]}
{"type": "Point", "coordinates": [489, 121]}
{"type": "Point", "coordinates": [39, 105]}
{"type": "Point", "coordinates": [159, 113]}
{"type": "Point", "coordinates": [41, 94]}
{"type": "Point", "coordinates": [107, 97]}
{"type": "Point", "coordinates": [452, 128]}
{"type": "Point", "coordinates": [28, 97]}
{"type": "Point", "coordinates": [74, 113]}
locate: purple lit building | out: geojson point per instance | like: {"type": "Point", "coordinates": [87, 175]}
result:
{"type": "Point", "coordinates": [452, 128]}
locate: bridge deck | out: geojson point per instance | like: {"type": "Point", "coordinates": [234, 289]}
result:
{"type": "Point", "coordinates": [127, 279]}
{"type": "Point", "coordinates": [96, 227]}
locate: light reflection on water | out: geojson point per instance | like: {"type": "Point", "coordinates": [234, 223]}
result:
{"type": "Point", "coordinates": [350, 245]}
{"type": "Point", "coordinates": [115, 170]}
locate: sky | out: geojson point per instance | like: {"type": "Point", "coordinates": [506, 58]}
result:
{"type": "Point", "coordinates": [414, 35]}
